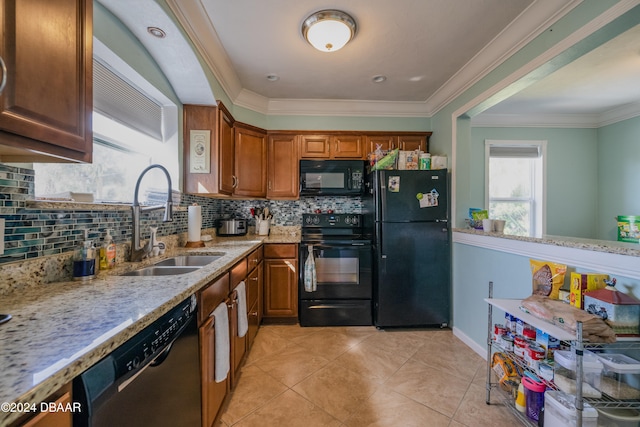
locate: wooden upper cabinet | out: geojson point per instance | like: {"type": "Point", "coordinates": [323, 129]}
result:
{"type": "Point", "coordinates": [347, 147]}
{"type": "Point", "coordinates": [46, 106]}
{"type": "Point", "coordinates": [284, 167]}
{"type": "Point", "coordinates": [315, 146]}
{"type": "Point", "coordinates": [218, 178]}
{"type": "Point", "coordinates": [250, 161]}
{"type": "Point", "coordinates": [385, 142]}
{"type": "Point", "coordinates": [226, 141]}
{"type": "Point", "coordinates": [412, 142]}
{"type": "Point", "coordinates": [338, 146]}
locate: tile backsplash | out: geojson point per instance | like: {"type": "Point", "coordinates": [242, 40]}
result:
{"type": "Point", "coordinates": [32, 232]}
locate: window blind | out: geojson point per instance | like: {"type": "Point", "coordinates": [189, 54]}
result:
{"type": "Point", "coordinates": [520, 151]}
{"type": "Point", "coordinates": [119, 100]}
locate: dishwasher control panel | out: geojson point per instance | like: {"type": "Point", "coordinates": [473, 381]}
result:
{"type": "Point", "coordinates": [149, 344]}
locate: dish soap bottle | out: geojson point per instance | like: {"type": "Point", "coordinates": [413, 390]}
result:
{"type": "Point", "coordinates": [107, 253]}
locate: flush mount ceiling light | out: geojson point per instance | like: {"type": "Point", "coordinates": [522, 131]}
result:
{"type": "Point", "coordinates": [328, 30]}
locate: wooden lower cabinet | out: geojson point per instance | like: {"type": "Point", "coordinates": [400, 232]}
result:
{"type": "Point", "coordinates": [254, 301]}
{"type": "Point", "coordinates": [61, 398]}
{"type": "Point", "coordinates": [213, 393]}
{"type": "Point", "coordinates": [280, 282]}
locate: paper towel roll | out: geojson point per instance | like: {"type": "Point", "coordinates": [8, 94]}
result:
{"type": "Point", "coordinates": [194, 223]}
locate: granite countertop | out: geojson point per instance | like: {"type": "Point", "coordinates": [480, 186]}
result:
{"type": "Point", "coordinates": [613, 247]}
{"type": "Point", "coordinates": [60, 329]}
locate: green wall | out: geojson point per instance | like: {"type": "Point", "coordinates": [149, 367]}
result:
{"type": "Point", "coordinates": [572, 175]}
{"type": "Point", "coordinates": [619, 173]}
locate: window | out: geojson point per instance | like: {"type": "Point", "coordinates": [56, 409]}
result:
{"type": "Point", "coordinates": [134, 125]}
{"type": "Point", "coordinates": [515, 185]}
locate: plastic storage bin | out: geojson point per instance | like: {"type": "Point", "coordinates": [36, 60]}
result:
{"type": "Point", "coordinates": [621, 376]}
{"type": "Point", "coordinates": [618, 417]}
{"type": "Point", "coordinates": [565, 371]}
{"type": "Point", "coordinates": [534, 396]}
{"type": "Point", "coordinates": [560, 411]}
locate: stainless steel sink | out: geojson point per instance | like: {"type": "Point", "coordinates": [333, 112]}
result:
{"type": "Point", "coordinates": [189, 260]}
{"type": "Point", "coordinates": [161, 271]}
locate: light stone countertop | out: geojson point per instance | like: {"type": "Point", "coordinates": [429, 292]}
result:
{"type": "Point", "coordinates": [613, 247]}
{"type": "Point", "coordinates": [60, 329]}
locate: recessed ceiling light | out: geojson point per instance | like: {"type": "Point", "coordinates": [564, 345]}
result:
{"type": "Point", "coordinates": [416, 78]}
{"type": "Point", "coordinates": [379, 78]}
{"type": "Point", "coordinates": [156, 32]}
{"type": "Point", "coordinates": [273, 77]}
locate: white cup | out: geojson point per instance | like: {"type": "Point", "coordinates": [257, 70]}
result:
{"type": "Point", "coordinates": [498, 225]}
{"type": "Point", "coordinates": [487, 225]}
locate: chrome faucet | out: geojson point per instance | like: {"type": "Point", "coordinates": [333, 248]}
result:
{"type": "Point", "coordinates": [139, 252]}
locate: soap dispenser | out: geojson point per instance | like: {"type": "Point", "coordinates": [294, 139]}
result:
{"type": "Point", "coordinates": [84, 260]}
{"type": "Point", "coordinates": [107, 252]}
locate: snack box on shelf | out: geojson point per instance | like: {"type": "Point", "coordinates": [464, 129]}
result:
{"type": "Point", "coordinates": [560, 410]}
{"type": "Point", "coordinates": [620, 377]}
{"type": "Point", "coordinates": [565, 372]}
{"type": "Point", "coordinates": [619, 310]}
{"type": "Point", "coordinates": [585, 282]}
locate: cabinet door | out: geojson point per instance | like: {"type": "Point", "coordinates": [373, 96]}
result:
{"type": "Point", "coordinates": [412, 142]}
{"type": "Point", "coordinates": [315, 146]}
{"type": "Point", "coordinates": [347, 147]}
{"type": "Point", "coordinates": [281, 288]}
{"type": "Point", "coordinates": [213, 393]}
{"type": "Point", "coordinates": [226, 159]}
{"type": "Point", "coordinates": [385, 142]}
{"type": "Point", "coordinates": [250, 162]}
{"type": "Point", "coordinates": [254, 302]}
{"type": "Point", "coordinates": [57, 418]}
{"type": "Point", "coordinates": [47, 103]}
{"type": "Point", "coordinates": [284, 167]}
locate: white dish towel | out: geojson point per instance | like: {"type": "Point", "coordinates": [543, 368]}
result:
{"type": "Point", "coordinates": [222, 365]}
{"type": "Point", "coordinates": [243, 322]}
{"type": "Point", "coordinates": [310, 277]}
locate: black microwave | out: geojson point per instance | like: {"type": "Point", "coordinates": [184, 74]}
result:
{"type": "Point", "coordinates": [331, 177]}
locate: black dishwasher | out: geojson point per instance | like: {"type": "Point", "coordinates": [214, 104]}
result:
{"type": "Point", "coordinates": [153, 379]}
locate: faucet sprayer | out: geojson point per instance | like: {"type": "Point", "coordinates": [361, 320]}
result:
{"type": "Point", "coordinates": [138, 252]}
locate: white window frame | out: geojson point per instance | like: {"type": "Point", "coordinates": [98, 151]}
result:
{"type": "Point", "coordinates": [538, 203]}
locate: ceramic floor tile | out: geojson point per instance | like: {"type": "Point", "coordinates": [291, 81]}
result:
{"type": "Point", "coordinates": [291, 365]}
{"type": "Point", "coordinates": [254, 389]}
{"type": "Point", "coordinates": [360, 376]}
{"type": "Point", "coordinates": [289, 410]}
{"type": "Point", "coordinates": [401, 342]}
{"type": "Point", "coordinates": [388, 408]}
{"type": "Point", "coordinates": [367, 360]}
{"type": "Point", "coordinates": [437, 389]}
{"type": "Point", "coordinates": [337, 390]}
{"type": "Point", "coordinates": [327, 343]}
{"type": "Point", "coordinates": [474, 407]}
{"type": "Point", "coordinates": [454, 357]}
{"type": "Point", "coordinates": [267, 342]}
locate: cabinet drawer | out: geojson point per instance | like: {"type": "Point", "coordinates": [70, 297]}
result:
{"type": "Point", "coordinates": [212, 296]}
{"type": "Point", "coordinates": [254, 258]}
{"type": "Point", "coordinates": [253, 287]}
{"type": "Point", "coordinates": [238, 272]}
{"type": "Point", "coordinates": [281, 250]}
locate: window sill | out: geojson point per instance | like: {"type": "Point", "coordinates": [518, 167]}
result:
{"type": "Point", "coordinates": [84, 206]}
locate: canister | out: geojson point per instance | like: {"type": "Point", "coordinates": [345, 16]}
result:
{"type": "Point", "coordinates": [534, 396]}
{"type": "Point", "coordinates": [424, 161]}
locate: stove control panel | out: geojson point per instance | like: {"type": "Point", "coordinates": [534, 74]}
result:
{"type": "Point", "coordinates": [331, 220]}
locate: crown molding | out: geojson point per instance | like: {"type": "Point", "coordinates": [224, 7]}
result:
{"type": "Point", "coordinates": [594, 121]}
{"type": "Point", "coordinates": [529, 24]}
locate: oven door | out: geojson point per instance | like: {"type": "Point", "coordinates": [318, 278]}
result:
{"type": "Point", "coordinates": [343, 270]}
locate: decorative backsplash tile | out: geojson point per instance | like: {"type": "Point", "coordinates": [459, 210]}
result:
{"type": "Point", "coordinates": [36, 232]}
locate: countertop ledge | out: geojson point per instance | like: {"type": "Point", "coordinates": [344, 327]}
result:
{"type": "Point", "coordinates": [60, 329]}
{"type": "Point", "coordinates": [612, 247]}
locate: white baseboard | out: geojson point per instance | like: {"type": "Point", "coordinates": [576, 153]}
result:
{"type": "Point", "coordinates": [482, 352]}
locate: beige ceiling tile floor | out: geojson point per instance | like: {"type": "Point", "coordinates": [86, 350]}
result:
{"type": "Point", "coordinates": [360, 376]}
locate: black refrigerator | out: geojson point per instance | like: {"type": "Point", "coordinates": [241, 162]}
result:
{"type": "Point", "coordinates": [407, 214]}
